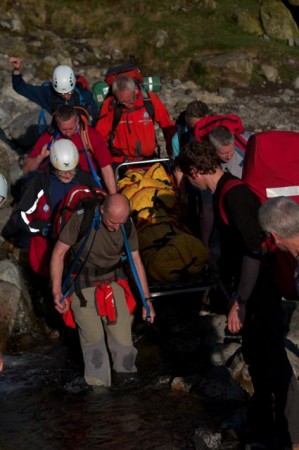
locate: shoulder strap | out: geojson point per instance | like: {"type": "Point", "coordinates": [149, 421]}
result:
{"type": "Point", "coordinates": [69, 281]}
{"type": "Point", "coordinates": [134, 270]}
{"type": "Point", "coordinates": [228, 185]}
{"type": "Point", "coordinates": [88, 150]}
{"type": "Point", "coordinates": [148, 104]}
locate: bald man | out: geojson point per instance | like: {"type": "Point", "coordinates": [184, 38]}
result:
{"type": "Point", "coordinates": [101, 336]}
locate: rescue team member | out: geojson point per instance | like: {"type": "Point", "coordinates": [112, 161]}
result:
{"type": "Point", "coordinates": [227, 149]}
{"type": "Point", "coordinates": [134, 136]}
{"type": "Point", "coordinates": [63, 90]}
{"type": "Point", "coordinates": [70, 127]}
{"type": "Point", "coordinates": [100, 338]}
{"type": "Point", "coordinates": [255, 304]}
{"type": "Point", "coordinates": [34, 214]}
{"type": "Point", "coordinates": [279, 218]}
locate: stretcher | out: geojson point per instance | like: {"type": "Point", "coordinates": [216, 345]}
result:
{"type": "Point", "coordinates": [198, 283]}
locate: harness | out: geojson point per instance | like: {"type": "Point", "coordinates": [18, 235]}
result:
{"type": "Point", "coordinates": [118, 110]}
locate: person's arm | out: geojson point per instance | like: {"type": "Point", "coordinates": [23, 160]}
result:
{"type": "Point", "coordinates": [41, 95]}
{"type": "Point", "coordinates": [249, 275]}
{"type": "Point", "coordinates": [206, 223]}
{"type": "Point", "coordinates": [56, 271]}
{"type": "Point", "coordinates": [31, 164]}
{"type": "Point", "coordinates": [143, 281]}
{"type": "Point", "coordinates": [109, 179]}
{"type": "Point", "coordinates": [175, 145]}
{"type": "Point", "coordinates": [165, 123]}
{"type": "Point", "coordinates": [242, 211]}
{"type": "Point", "coordinates": [16, 64]}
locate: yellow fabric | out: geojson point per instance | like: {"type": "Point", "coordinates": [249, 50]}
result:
{"type": "Point", "coordinates": [168, 249]}
{"type": "Point", "coordinates": [170, 254]}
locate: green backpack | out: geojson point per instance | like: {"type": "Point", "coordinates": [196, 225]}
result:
{"type": "Point", "coordinates": [101, 89]}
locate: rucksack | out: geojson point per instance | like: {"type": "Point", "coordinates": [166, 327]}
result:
{"type": "Point", "coordinates": [102, 89]}
{"type": "Point", "coordinates": [132, 71]}
{"type": "Point", "coordinates": [271, 164]}
{"type": "Point", "coordinates": [78, 199]}
{"type": "Point", "coordinates": [231, 121]}
{"type": "Point", "coordinates": [271, 168]}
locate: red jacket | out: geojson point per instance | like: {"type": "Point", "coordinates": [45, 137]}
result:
{"type": "Point", "coordinates": [101, 153]}
{"type": "Point", "coordinates": [34, 216]}
{"type": "Point", "coordinates": [134, 137]}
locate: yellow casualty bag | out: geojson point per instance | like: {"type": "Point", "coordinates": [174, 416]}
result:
{"type": "Point", "coordinates": [146, 194]}
{"type": "Point", "coordinates": [168, 249]}
{"type": "Point", "coordinates": [171, 254]}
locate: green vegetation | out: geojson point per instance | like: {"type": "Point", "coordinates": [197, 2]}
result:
{"type": "Point", "coordinates": [193, 27]}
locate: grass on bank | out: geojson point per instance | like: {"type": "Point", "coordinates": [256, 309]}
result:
{"type": "Point", "coordinates": [192, 26]}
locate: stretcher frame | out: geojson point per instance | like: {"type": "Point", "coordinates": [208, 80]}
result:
{"type": "Point", "coordinates": [202, 283]}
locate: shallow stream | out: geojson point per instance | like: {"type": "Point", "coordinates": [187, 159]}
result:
{"type": "Point", "coordinates": [43, 406]}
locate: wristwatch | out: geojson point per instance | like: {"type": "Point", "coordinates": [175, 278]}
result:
{"type": "Point", "coordinates": [240, 299]}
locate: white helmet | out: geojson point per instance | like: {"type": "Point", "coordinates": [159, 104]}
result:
{"type": "Point", "coordinates": [3, 189]}
{"type": "Point", "coordinates": [64, 155]}
{"type": "Point", "coordinates": [63, 79]}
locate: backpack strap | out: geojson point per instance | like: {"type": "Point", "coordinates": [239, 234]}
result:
{"type": "Point", "coordinates": [69, 281]}
{"type": "Point", "coordinates": [88, 150]}
{"type": "Point", "coordinates": [149, 107]}
{"type": "Point", "coordinates": [228, 185]}
{"type": "Point", "coordinates": [134, 270]}
{"type": "Point", "coordinates": [241, 143]}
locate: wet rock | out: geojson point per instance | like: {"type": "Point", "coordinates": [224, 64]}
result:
{"type": "Point", "coordinates": [234, 423]}
{"type": "Point", "coordinates": [213, 328]}
{"type": "Point", "coordinates": [181, 385]}
{"type": "Point", "coordinates": [218, 386]}
{"type": "Point", "coordinates": [16, 314]}
{"type": "Point", "coordinates": [204, 439]}
{"type": "Point", "coordinates": [221, 353]}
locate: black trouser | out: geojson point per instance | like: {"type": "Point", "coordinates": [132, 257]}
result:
{"type": "Point", "coordinates": [269, 367]}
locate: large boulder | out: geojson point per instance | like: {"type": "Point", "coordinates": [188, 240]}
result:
{"type": "Point", "coordinates": [225, 69]}
{"type": "Point", "coordinates": [4, 158]}
{"type": "Point", "coordinates": [24, 129]}
{"type": "Point", "coordinates": [277, 20]}
{"type": "Point", "coordinates": [249, 22]}
{"type": "Point", "coordinates": [16, 312]}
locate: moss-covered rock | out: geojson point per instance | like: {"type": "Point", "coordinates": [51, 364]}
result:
{"type": "Point", "coordinates": [226, 69]}
{"type": "Point", "coordinates": [277, 20]}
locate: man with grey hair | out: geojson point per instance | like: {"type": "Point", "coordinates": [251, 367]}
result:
{"type": "Point", "coordinates": [279, 218]}
{"type": "Point", "coordinates": [127, 121]}
{"type": "Point", "coordinates": [227, 149]}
